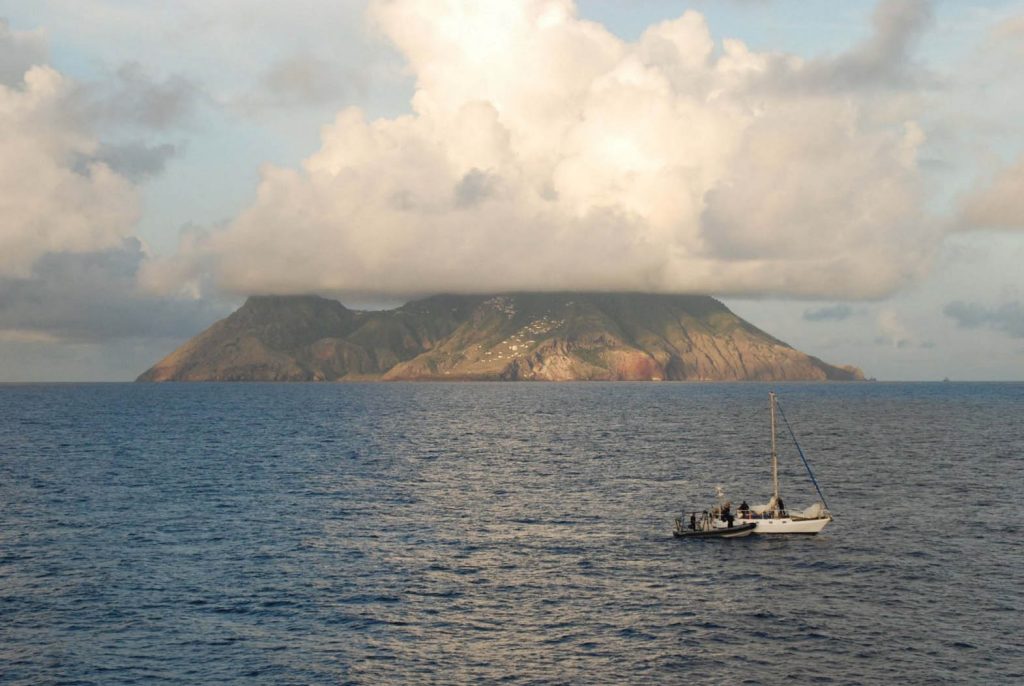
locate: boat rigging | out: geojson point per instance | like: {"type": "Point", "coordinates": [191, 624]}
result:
{"type": "Point", "coordinates": [770, 518]}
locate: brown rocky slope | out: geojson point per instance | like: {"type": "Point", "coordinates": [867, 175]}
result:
{"type": "Point", "coordinates": [522, 336]}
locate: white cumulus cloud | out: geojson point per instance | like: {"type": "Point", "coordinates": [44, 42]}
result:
{"type": "Point", "coordinates": [543, 152]}
{"type": "Point", "coordinates": [54, 196]}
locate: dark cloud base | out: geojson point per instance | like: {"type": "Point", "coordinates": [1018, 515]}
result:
{"type": "Point", "coordinates": [834, 313]}
{"type": "Point", "coordinates": [1007, 318]}
{"type": "Point", "coordinates": [93, 297]}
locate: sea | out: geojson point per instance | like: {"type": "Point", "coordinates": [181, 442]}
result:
{"type": "Point", "coordinates": [506, 533]}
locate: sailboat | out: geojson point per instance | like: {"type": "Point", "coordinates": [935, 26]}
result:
{"type": "Point", "coordinates": [773, 517]}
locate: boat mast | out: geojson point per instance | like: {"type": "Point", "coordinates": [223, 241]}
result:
{"type": "Point", "coordinates": [775, 455]}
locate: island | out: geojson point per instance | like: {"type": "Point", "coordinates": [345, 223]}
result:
{"type": "Point", "coordinates": [506, 337]}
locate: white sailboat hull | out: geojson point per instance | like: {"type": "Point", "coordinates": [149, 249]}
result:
{"type": "Point", "coordinates": [788, 525]}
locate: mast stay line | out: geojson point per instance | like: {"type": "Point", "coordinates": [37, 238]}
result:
{"type": "Point", "coordinates": [800, 450]}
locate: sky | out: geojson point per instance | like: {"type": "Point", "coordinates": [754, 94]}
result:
{"type": "Point", "coordinates": [847, 176]}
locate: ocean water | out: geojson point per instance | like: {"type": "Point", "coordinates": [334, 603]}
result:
{"type": "Point", "coordinates": [505, 533]}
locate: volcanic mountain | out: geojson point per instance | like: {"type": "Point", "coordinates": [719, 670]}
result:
{"type": "Point", "coordinates": [519, 336]}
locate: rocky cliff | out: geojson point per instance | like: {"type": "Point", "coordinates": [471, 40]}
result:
{"type": "Point", "coordinates": [523, 336]}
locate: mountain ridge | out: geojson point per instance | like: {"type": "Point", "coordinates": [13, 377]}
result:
{"type": "Point", "coordinates": [514, 336]}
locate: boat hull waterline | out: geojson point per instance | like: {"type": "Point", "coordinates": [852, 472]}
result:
{"type": "Point", "coordinates": [787, 525]}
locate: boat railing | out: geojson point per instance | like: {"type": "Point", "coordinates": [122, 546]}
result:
{"type": "Point", "coordinates": [750, 514]}
{"type": "Point", "coordinates": [696, 520]}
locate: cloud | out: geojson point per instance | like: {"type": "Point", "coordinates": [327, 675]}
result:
{"type": "Point", "coordinates": [93, 297]}
{"type": "Point", "coordinates": [892, 331]}
{"type": "Point", "coordinates": [20, 50]}
{"type": "Point", "coordinates": [1008, 318]}
{"type": "Point", "coordinates": [62, 188]}
{"type": "Point", "coordinates": [886, 56]}
{"type": "Point", "coordinates": [475, 187]}
{"type": "Point", "coordinates": [134, 97]}
{"type": "Point", "coordinates": [980, 121]}
{"type": "Point", "coordinates": [542, 152]}
{"type": "Point", "coordinates": [999, 204]}
{"type": "Point", "coordinates": [835, 313]}
{"type": "Point", "coordinates": [230, 50]}
{"type": "Point", "coordinates": [1010, 32]}
{"type": "Point", "coordinates": [304, 79]}
{"type": "Point", "coordinates": [68, 256]}
{"type": "Point", "coordinates": [135, 160]}
{"type": "Point", "coordinates": [883, 61]}
{"type": "Point", "coordinates": [301, 80]}
{"type": "Point", "coordinates": [50, 199]}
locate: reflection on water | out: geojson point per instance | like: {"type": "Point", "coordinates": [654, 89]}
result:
{"type": "Point", "coordinates": [521, 532]}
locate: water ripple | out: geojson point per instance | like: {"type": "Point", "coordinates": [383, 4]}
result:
{"type": "Point", "coordinates": [467, 533]}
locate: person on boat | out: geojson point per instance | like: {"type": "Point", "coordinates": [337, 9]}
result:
{"type": "Point", "coordinates": [744, 509]}
{"type": "Point", "coordinates": [781, 506]}
{"type": "Point", "coordinates": [693, 521]}
{"type": "Point", "coordinates": [726, 515]}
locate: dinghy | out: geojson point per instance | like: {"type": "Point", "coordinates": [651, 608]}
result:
{"type": "Point", "coordinates": [706, 525]}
